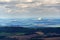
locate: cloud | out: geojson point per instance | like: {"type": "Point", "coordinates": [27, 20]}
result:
{"type": "Point", "coordinates": [49, 1]}
{"type": "Point", "coordinates": [5, 0]}
{"type": "Point", "coordinates": [25, 0]}
{"type": "Point", "coordinates": [30, 8]}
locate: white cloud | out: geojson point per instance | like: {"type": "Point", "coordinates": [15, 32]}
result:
{"type": "Point", "coordinates": [25, 0]}
{"type": "Point", "coordinates": [49, 2]}
{"type": "Point", "coordinates": [9, 10]}
{"type": "Point", "coordinates": [5, 0]}
{"type": "Point", "coordinates": [31, 8]}
{"type": "Point", "coordinates": [21, 5]}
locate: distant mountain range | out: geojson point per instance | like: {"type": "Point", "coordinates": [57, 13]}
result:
{"type": "Point", "coordinates": [30, 22]}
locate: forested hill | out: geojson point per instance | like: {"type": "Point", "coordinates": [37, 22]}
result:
{"type": "Point", "coordinates": [29, 30]}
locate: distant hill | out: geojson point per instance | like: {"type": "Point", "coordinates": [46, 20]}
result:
{"type": "Point", "coordinates": [29, 30]}
{"type": "Point", "coordinates": [14, 33]}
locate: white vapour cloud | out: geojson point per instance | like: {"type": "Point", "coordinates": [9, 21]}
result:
{"type": "Point", "coordinates": [25, 0]}
{"type": "Point", "coordinates": [30, 8]}
{"type": "Point", "coordinates": [5, 0]}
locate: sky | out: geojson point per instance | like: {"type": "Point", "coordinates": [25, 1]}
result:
{"type": "Point", "coordinates": [29, 8]}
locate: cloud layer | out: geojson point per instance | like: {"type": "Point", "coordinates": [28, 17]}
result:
{"type": "Point", "coordinates": [29, 8]}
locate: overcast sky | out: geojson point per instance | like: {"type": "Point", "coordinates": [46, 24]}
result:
{"type": "Point", "coordinates": [29, 8]}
